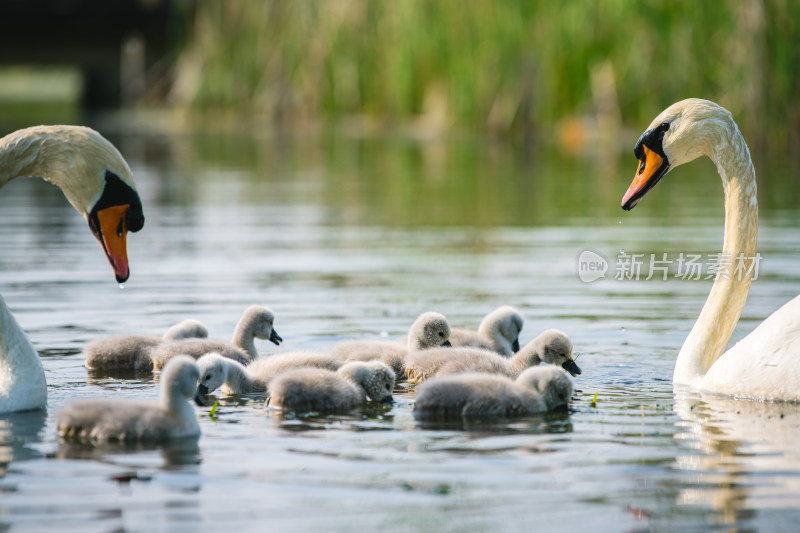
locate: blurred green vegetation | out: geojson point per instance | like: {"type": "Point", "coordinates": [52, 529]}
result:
{"type": "Point", "coordinates": [576, 70]}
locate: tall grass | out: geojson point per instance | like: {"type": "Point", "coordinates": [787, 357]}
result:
{"type": "Point", "coordinates": [506, 66]}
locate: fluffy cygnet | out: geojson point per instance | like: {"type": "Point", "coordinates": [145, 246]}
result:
{"type": "Point", "coordinates": [257, 321]}
{"type": "Point", "coordinates": [316, 389]}
{"type": "Point", "coordinates": [473, 395]}
{"type": "Point", "coordinates": [428, 330]}
{"type": "Point", "coordinates": [498, 331]}
{"type": "Point", "coordinates": [130, 421]}
{"type": "Point", "coordinates": [551, 346]}
{"type": "Point", "coordinates": [132, 352]}
{"type": "Point", "coordinates": [235, 378]}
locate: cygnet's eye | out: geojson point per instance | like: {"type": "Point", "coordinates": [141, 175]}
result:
{"type": "Point", "coordinates": [441, 334]}
{"type": "Point", "coordinates": [207, 377]}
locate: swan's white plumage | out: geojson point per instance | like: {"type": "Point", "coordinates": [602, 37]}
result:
{"type": "Point", "coordinates": [766, 363]}
{"type": "Point", "coordinates": [75, 159]}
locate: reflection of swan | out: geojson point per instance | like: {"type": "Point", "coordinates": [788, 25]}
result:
{"type": "Point", "coordinates": [98, 183]}
{"type": "Point", "coordinates": [317, 389]}
{"type": "Point", "coordinates": [474, 395]}
{"type": "Point", "coordinates": [749, 453]}
{"type": "Point", "coordinates": [129, 421]}
{"type": "Point", "coordinates": [132, 352]}
{"type": "Point", "coordinates": [17, 432]}
{"type": "Point", "coordinates": [552, 346]}
{"type": "Point", "coordinates": [766, 363]}
{"type": "Point", "coordinates": [498, 331]}
{"type": "Point", "coordinates": [257, 321]}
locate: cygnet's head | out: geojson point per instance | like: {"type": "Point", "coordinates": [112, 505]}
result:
{"type": "Point", "coordinates": [261, 321]}
{"type": "Point", "coordinates": [551, 382]}
{"type": "Point", "coordinates": [556, 349]}
{"type": "Point", "coordinates": [181, 374]}
{"type": "Point", "coordinates": [507, 321]}
{"type": "Point", "coordinates": [187, 329]}
{"type": "Point", "coordinates": [429, 330]}
{"type": "Point", "coordinates": [213, 373]}
{"type": "Point", "coordinates": [376, 378]}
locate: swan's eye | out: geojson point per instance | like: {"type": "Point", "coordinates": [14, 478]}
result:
{"type": "Point", "coordinates": [664, 126]}
{"type": "Point", "coordinates": [208, 377]}
{"type": "Point", "coordinates": [441, 334]}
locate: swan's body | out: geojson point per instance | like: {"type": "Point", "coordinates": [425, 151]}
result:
{"type": "Point", "coordinates": [551, 346]}
{"type": "Point", "coordinates": [474, 395]}
{"type": "Point", "coordinates": [98, 183]}
{"type": "Point", "coordinates": [236, 378]}
{"type": "Point", "coordinates": [429, 330]}
{"type": "Point", "coordinates": [131, 421]}
{"type": "Point", "coordinates": [766, 363]}
{"type": "Point", "coordinates": [316, 389]}
{"type": "Point", "coordinates": [498, 331]}
{"type": "Point", "coordinates": [256, 322]}
{"type": "Point", "coordinates": [132, 352]}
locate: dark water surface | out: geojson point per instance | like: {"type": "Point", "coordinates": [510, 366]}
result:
{"type": "Point", "coordinates": [352, 238]}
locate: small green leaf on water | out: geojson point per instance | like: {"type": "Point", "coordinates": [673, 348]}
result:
{"type": "Point", "coordinates": [213, 411]}
{"type": "Point", "coordinates": [594, 400]}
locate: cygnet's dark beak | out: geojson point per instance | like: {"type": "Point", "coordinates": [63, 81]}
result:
{"type": "Point", "coordinates": [275, 338]}
{"type": "Point", "coordinates": [515, 345]}
{"type": "Point", "coordinates": [387, 399]}
{"type": "Point", "coordinates": [446, 343]}
{"type": "Point", "coordinates": [199, 395]}
{"type": "Point", "coordinates": [570, 366]}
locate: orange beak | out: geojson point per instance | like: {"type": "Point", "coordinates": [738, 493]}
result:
{"type": "Point", "coordinates": [652, 168]}
{"type": "Point", "coordinates": [113, 233]}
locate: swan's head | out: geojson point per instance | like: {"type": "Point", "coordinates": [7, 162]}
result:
{"type": "Point", "coordinates": [507, 321]}
{"type": "Point", "coordinates": [180, 376]}
{"type": "Point", "coordinates": [93, 176]}
{"type": "Point", "coordinates": [680, 134]}
{"type": "Point", "coordinates": [213, 373]}
{"type": "Point", "coordinates": [428, 331]}
{"type": "Point", "coordinates": [555, 348]}
{"type": "Point", "coordinates": [375, 377]}
{"type": "Point", "coordinates": [551, 382]}
{"type": "Point", "coordinates": [262, 322]}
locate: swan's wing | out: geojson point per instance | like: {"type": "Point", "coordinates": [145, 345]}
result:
{"type": "Point", "coordinates": [766, 363]}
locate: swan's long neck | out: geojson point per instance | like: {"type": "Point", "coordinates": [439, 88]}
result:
{"type": "Point", "coordinates": [239, 381]}
{"type": "Point", "coordinates": [527, 356]}
{"type": "Point", "coordinates": [31, 153]}
{"type": "Point", "coordinates": [22, 381]}
{"type": "Point", "coordinates": [712, 331]}
{"type": "Point", "coordinates": [244, 338]}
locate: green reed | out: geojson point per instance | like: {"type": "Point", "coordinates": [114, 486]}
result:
{"type": "Point", "coordinates": [505, 66]}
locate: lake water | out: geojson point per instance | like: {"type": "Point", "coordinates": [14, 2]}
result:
{"type": "Point", "coordinates": [346, 237]}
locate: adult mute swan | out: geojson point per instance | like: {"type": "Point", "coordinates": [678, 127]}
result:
{"type": "Point", "coordinates": [766, 363]}
{"type": "Point", "coordinates": [98, 183]}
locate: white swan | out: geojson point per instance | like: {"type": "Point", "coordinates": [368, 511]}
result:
{"type": "Point", "coordinates": [429, 330]}
{"type": "Point", "coordinates": [132, 352]}
{"type": "Point", "coordinates": [766, 363]}
{"type": "Point", "coordinates": [552, 346]}
{"type": "Point", "coordinates": [256, 322]}
{"type": "Point", "coordinates": [235, 378]}
{"type": "Point", "coordinates": [104, 420]}
{"type": "Point", "coordinates": [317, 389]}
{"type": "Point", "coordinates": [473, 395]}
{"type": "Point", "coordinates": [498, 331]}
{"type": "Point", "coordinates": [98, 183]}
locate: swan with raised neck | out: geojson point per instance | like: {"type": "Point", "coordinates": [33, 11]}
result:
{"type": "Point", "coordinates": [765, 364]}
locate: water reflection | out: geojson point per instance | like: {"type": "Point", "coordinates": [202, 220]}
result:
{"type": "Point", "coordinates": [175, 453]}
{"type": "Point", "coordinates": [17, 432]}
{"type": "Point", "coordinates": [750, 459]}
